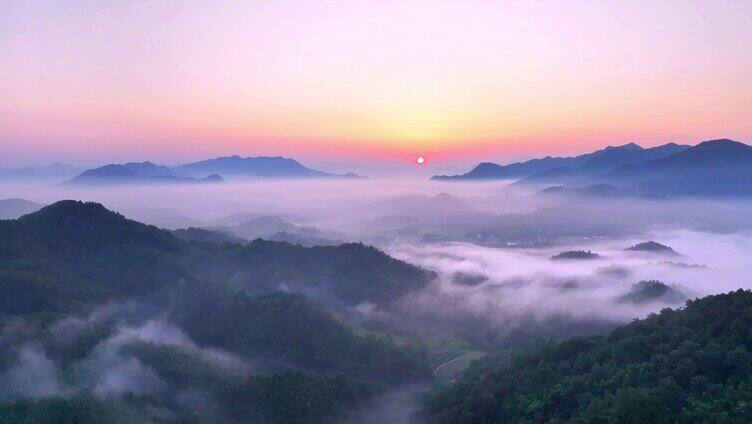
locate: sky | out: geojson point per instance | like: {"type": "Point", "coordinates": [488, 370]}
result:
{"type": "Point", "coordinates": [87, 81]}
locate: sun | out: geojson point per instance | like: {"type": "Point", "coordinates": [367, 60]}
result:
{"type": "Point", "coordinates": [420, 160]}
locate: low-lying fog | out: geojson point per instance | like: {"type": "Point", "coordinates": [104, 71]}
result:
{"type": "Point", "coordinates": [503, 285]}
{"type": "Point", "coordinates": [491, 246]}
{"type": "Point", "coordinates": [490, 243]}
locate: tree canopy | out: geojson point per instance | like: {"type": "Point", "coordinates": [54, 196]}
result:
{"type": "Point", "coordinates": [678, 366]}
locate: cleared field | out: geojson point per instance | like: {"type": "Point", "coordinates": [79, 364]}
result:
{"type": "Point", "coordinates": [451, 369]}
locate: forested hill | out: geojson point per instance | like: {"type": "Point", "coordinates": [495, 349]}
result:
{"type": "Point", "coordinates": [104, 319]}
{"type": "Point", "coordinates": [73, 252]}
{"type": "Point", "coordinates": [691, 365]}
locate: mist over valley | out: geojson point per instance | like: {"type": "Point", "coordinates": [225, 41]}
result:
{"type": "Point", "coordinates": [334, 212]}
{"type": "Point", "coordinates": [353, 299]}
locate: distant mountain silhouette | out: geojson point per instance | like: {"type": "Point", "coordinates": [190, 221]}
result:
{"type": "Point", "coordinates": [492, 171]}
{"type": "Point", "coordinates": [261, 227]}
{"type": "Point", "coordinates": [302, 240]}
{"type": "Point", "coordinates": [137, 173]}
{"type": "Point", "coordinates": [54, 170]}
{"type": "Point", "coordinates": [236, 218]}
{"type": "Point", "coordinates": [254, 167]}
{"type": "Point", "coordinates": [276, 228]}
{"type": "Point", "coordinates": [14, 208]}
{"type": "Point", "coordinates": [629, 154]}
{"type": "Point", "coordinates": [550, 168]}
{"type": "Point", "coordinates": [553, 175]}
{"type": "Point", "coordinates": [602, 162]}
{"type": "Point", "coordinates": [204, 235]}
{"type": "Point", "coordinates": [712, 168]}
{"type": "Point", "coordinates": [596, 190]}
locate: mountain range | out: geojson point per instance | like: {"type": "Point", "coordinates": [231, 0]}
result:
{"type": "Point", "coordinates": [207, 171]}
{"type": "Point", "coordinates": [608, 158]}
{"type": "Point", "coordinates": [254, 167]}
{"type": "Point", "coordinates": [712, 168]}
{"type": "Point", "coordinates": [51, 171]}
{"type": "Point", "coordinates": [137, 173]}
{"type": "Point", "coordinates": [595, 190]}
{"type": "Point", "coordinates": [15, 208]}
{"type": "Point", "coordinates": [720, 167]}
{"type": "Point", "coordinates": [279, 229]}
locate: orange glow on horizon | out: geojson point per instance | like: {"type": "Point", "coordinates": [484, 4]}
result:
{"type": "Point", "coordinates": [342, 79]}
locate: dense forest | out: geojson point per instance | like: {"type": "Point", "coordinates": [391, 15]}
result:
{"type": "Point", "coordinates": [73, 252]}
{"type": "Point", "coordinates": [300, 364]}
{"type": "Point", "coordinates": [109, 320]}
{"type": "Point", "coordinates": [691, 365]}
{"type": "Point", "coordinates": [104, 319]}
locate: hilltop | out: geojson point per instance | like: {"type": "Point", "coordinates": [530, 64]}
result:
{"type": "Point", "coordinates": [254, 167]}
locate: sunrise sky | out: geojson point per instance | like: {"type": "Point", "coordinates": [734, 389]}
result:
{"type": "Point", "coordinates": [101, 81]}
